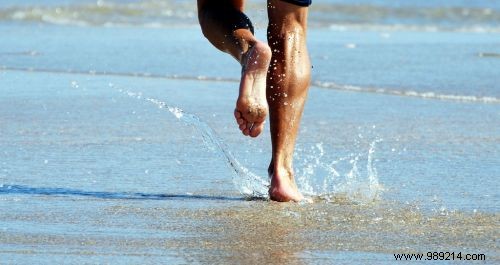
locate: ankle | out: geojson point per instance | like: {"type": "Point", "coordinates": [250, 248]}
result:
{"type": "Point", "coordinates": [281, 173]}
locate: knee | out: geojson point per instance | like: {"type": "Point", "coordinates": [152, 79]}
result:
{"type": "Point", "coordinates": [222, 17]}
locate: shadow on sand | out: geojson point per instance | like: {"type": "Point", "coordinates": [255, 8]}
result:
{"type": "Point", "coordinates": [26, 190]}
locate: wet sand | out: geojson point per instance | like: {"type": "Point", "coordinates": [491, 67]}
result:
{"type": "Point", "coordinates": [184, 230]}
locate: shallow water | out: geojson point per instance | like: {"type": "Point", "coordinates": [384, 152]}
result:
{"type": "Point", "coordinates": [63, 170]}
{"type": "Point", "coordinates": [118, 145]}
{"type": "Point", "coordinates": [436, 15]}
{"type": "Point", "coordinates": [124, 231]}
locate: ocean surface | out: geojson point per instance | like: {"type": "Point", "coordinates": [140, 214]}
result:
{"type": "Point", "coordinates": [118, 144]}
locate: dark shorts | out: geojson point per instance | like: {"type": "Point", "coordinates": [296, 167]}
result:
{"type": "Point", "coordinates": [299, 2]}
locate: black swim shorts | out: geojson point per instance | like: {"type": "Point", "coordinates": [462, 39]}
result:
{"type": "Point", "coordinates": [299, 2]}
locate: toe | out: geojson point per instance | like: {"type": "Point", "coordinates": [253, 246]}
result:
{"type": "Point", "coordinates": [243, 126]}
{"type": "Point", "coordinates": [237, 114]}
{"type": "Point", "coordinates": [256, 129]}
{"type": "Point", "coordinates": [246, 132]}
{"type": "Point", "coordinates": [238, 117]}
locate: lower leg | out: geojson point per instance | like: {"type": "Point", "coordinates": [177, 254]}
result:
{"type": "Point", "coordinates": [225, 25]}
{"type": "Point", "coordinates": [287, 86]}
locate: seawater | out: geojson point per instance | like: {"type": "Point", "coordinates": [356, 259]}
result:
{"type": "Point", "coordinates": [399, 142]}
{"type": "Point", "coordinates": [245, 181]}
{"type": "Point", "coordinates": [93, 172]}
{"type": "Point", "coordinates": [436, 139]}
{"type": "Point", "coordinates": [454, 43]}
{"type": "Point", "coordinates": [454, 15]}
{"type": "Point", "coordinates": [350, 185]}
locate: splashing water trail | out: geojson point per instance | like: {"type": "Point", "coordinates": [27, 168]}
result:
{"type": "Point", "coordinates": [340, 179]}
{"type": "Point", "coordinates": [311, 166]}
{"type": "Point", "coordinates": [248, 183]}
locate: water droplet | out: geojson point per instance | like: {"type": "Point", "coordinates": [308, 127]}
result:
{"type": "Point", "coordinates": [350, 46]}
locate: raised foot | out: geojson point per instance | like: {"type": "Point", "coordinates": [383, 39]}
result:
{"type": "Point", "coordinates": [251, 106]}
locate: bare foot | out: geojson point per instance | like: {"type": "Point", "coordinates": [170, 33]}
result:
{"type": "Point", "coordinates": [251, 106]}
{"type": "Point", "coordinates": [283, 188]}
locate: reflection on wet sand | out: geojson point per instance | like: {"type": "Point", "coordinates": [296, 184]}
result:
{"type": "Point", "coordinates": [238, 236]}
{"type": "Point", "coordinates": [281, 233]}
{"type": "Point", "coordinates": [239, 232]}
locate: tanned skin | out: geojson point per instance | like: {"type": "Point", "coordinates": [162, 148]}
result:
{"type": "Point", "coordinates": [275, 77]}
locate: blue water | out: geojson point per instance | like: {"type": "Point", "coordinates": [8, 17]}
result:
{"type": "Point", "coordinates": [399, 144]}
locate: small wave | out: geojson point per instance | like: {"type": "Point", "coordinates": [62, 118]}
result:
{"type": "Point", "coordinates": [169, 13]}
{"type": "Point", "coordinates": [106, 13]}
{"type": "Point", "coordinates": [413, 28]}
{"type": "Point", "coordinates": [408, 93]}
{"type": "Point", "coordinates": [21, 53]}
{"type": "Point", "coordinates": [489, 54]}
{"type": "Point", "coordinates": [406, 17]}
{"type": "Point", "coordinates": [320, 84]}
{"type": "Point", "coordinates": [124, 74]}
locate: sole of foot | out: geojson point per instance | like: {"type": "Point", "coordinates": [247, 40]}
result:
{"type": "Point", "coordinates": [251, 105]}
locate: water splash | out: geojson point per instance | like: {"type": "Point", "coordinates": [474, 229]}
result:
{"type": "Point", "coordinates": [248, 183]}
{"type": "Point", "coordinates": [355, 185]}
{"type": "Point", "coordinates": [340, 179]}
